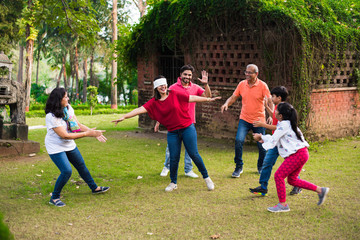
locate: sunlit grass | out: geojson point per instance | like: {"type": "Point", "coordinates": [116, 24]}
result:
{"type": "Point", "coordinates": [141, 209]}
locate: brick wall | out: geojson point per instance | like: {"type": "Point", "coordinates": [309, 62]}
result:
{"type": "Point", "coordinates": [334, 113]}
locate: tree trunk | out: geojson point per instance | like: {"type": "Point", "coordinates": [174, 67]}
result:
{"type": "Point", "coordinates": [28, 69]}
{"type": "Point", "coordinates": [64, 73]}
{"type": "Point", "coordinates": [21, 64]}
{"type": "Point", "coordinates": [107, 82]}
{"type": "Point", "coordinates": [92, 81]}
{"type": "Point", "coordinates": [141, 5]}
{"type": "Point", "coordinates": [59, 77]}
{"type": "Point", "coordinates": [76, 66]}
{"type": "Point", "coordinates": [71, 77]}
{"type": "Point", "coordinates": [85, 79]}
{"type": "Point", "coordinates": [114, 63]}
{"type": "Point", "coordinates": [37, 67]}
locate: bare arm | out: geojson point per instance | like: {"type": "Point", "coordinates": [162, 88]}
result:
{"type": "Point", "coordinates": [229, 102]}
{"type": "Point", "coordinates": [61, 131]}
{"type": "Point", "coordinates": [205, 81]}
{"type": "Point", "coordinates": [269, 106]}
{"type": "Point", "coordinates": [84, 128]}
{"type": "Point", "coordinates": [265, 125]}
{"type": "Point", "coordinates": [156, 127]}
{"type": "Point", "coordinates": [133, 113]}
{"type": "Point", "coordinates": [194, 98]}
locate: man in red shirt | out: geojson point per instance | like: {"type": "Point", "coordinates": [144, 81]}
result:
{"type": "Point", "coordinates": [184, 84]}
{"type": "Point", "coordinates": [252, 92]}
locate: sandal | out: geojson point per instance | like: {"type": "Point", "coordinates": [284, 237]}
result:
{"type": "Point", "coordinates": [101, 190]}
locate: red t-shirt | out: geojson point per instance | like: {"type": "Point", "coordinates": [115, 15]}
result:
{"type": "Point", "coordinates": [193, 89]}
{"type": "Point", "coordinates": [275, 120]}
{"type": "Point", "coordinates": [173, 112]}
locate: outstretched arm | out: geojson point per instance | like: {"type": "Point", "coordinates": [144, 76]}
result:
{"type": "Point", "coordinates": [229, 102]}
{"type": "Point", "coordinates": [61, 131]}
{"type": "Point", "coordinates": [133, 113]}
{"type": "Point", "coordinates": [194, 98]}
{"type": "Point", "coordinates": [265, 125]}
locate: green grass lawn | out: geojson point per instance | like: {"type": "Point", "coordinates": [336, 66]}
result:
{"type": "Point", "coordinates": [141, 209]}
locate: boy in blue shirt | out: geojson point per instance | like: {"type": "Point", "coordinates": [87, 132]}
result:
{"type": "Point", "coordinates": [278, 95]}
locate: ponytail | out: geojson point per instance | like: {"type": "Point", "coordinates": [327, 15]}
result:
{"type": "Point", "coordinates": [289, 113]}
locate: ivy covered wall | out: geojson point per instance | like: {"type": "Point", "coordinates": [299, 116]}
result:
{"type": "Point", "coordinates": [303, 45]}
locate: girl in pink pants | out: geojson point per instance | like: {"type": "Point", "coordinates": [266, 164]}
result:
{"type": "Point", "coordinates": [293, 148]}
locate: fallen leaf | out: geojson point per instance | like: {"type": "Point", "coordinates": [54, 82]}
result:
{"type": "Point", "coordinates": [215, 236]}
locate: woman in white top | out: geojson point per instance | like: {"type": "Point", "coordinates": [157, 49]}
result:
{"type": "Point", "coordinates": [293, 148]}
{"type": "Point", "coordinates": [62, 128]}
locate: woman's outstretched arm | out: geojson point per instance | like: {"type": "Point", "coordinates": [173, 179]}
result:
{"type": "Point", "coordinates": [194, 98]}
{"type": "Point", "coordinates": [133, 113]}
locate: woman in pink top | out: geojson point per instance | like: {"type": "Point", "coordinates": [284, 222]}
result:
{"type": "Point", "coordinates": [170, 108]}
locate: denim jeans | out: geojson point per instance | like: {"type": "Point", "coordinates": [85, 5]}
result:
{"type": "Point", "coordinates": [243, 129]}
{"type": "Point", "coordinates": [62, 161]}
{"type": "Point", "coordinates": [188, 165]}
{"type": "Point", "coordinates": [269, 161]}
{"type": "Point", "coordinates": [189, 137]}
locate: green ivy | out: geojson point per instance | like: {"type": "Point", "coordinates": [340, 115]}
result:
{"type": "Point", "coordinates": [326, 29]}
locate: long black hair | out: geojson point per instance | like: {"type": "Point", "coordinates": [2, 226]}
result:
{"type": "Point", "coordinates": [53, 104]}
{"type": "Point", "coordinates": [288, 112]}
{"type": "Point", "coordinates": [157, 95]}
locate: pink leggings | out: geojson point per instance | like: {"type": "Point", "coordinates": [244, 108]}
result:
{"type": "Point", "coordinates": [291, 168]}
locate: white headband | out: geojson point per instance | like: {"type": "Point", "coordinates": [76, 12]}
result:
{"type": "Point", "coordinates": [159, 82]}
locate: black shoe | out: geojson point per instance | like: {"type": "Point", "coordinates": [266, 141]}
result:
{"type": "Point", "coordinates": [259, 190]}
{"type": "Point", "coordinates": [101, 190]}
{"type": "Point", "coordinates": [237, 172]}
{"type": "Point", "coordinates": [295, 190]}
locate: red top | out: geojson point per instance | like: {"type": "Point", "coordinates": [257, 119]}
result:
{"type": "Point", "coordinates": [193, 89]}
{"type": "Point", "coordinates": [275, 120]}
{"type": "Point", "coordinates": [173, 112]}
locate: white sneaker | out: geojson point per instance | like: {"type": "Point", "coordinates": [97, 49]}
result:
{"type": "Point", "coordinates": [172, 186]}
{"type": "Point", "coordinates": [209, 184]}
{"type": "Point", "coordinates": [164, 172]}
{"type": "Point", "coordinates": [191, 174]}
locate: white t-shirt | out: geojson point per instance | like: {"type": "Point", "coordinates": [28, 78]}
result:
{"type": "Point", "coordinates": [53, 142]}
{"type": "Point", "coordinates": [285, 139]}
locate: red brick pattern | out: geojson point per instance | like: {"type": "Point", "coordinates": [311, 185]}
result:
{"type": "Point", "coordinates": [334, 113]}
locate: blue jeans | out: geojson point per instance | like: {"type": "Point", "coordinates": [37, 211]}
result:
{"type": "Point", "coordinates": [269, 161]}
{"type": "Point", "coordinates": [243, 129]}
{"type": "Point", "coordinates": [188, 165]}
{"type": "Point", "coordinates": [189, 137]}
{"type": "Point", "coordinates": [62, 161]}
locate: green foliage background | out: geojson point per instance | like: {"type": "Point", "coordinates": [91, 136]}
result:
{"type": "Point", "coordinates": [320, 31]}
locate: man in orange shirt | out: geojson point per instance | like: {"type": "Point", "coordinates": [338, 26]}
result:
{"type": "Point", "coordinates": [252, 92]}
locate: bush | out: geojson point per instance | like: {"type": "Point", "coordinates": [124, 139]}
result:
{"type": "Point", "coordinates": [38, 93]}
{"type": "Point", "coordinates": [5, 233]}
{"type": "Point", "coordinates": [38, 110]}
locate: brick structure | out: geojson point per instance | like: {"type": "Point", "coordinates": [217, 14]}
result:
{"type": "Point", "coordinates": [334, 104]}
{"type": "Point", "coordinates": [335, 113]}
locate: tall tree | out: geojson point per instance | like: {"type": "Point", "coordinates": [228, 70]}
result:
{"type": "Point", "coordinates": [31, 34]}
{"type": "Point", "coordinates": [141, 5]}
{"type": "Point", "coordinates": [114, 63]}
{"type": "Point", "coordinates": [21, 64]}
{"type": "Point", "coordinates": [85, 78]}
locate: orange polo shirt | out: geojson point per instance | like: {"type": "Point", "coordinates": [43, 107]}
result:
{"type": "Point", "coordinates": [252, 99]}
